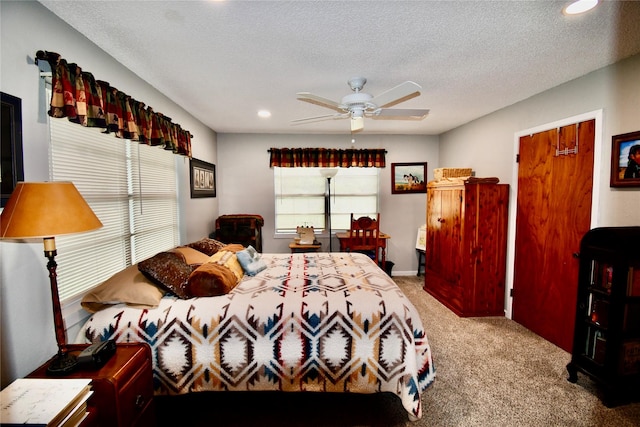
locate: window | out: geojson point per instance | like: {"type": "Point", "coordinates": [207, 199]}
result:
{"type": "Point", "coordinates": [131, 188]}
{"type": "Point", "coordinates": [301, 197]}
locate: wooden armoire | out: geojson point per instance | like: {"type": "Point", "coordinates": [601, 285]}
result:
{"type": "Point", "coordinates": [466, 246]}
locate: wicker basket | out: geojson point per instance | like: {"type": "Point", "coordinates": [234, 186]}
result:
{"type": "Point", "coordinates": [440, 173]}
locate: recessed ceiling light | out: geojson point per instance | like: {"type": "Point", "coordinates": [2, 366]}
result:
{"type": "Point", "coordinates": [580, 6]}
{"type": "Point", "coordinates": [264, 113]}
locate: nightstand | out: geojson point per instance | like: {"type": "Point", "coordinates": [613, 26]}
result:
{"type": "Point", "coordinates": [123, 387]}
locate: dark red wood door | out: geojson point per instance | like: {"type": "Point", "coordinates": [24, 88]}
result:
{"type": "Point", "coordinates": [555, 181]}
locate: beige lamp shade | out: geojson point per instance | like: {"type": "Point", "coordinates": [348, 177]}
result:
{"type": "Point", "coordinates": [46, 209]}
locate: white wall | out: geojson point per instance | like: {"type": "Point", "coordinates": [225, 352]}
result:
{"type": "Point", "coordinates": [488, 144]}
{"type": "Point", "coordinates": [27, 336]}
{"type": "Point", "coordinates": [246, 185]}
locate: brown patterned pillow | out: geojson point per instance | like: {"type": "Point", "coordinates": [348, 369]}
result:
{"type": "Point", "coordinates": [207, 246]}
{"type": "Point", "coordinates": [169, 270]}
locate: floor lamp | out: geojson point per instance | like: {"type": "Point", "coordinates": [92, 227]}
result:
{"type": "Point", "coordinates": [45, 210]}
{"type": "Point", "coordinates": [329, 173]}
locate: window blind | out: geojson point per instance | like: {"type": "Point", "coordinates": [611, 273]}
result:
{"type": "Point", "coordinates": [132, 190]}
{"type": "Point", "coordinates": [301, 197]}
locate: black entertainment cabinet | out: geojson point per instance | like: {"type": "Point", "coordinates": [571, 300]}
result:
{"type": "Point", "coordinates": [606, 343]}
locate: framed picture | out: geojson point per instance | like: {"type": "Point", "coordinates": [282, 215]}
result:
{"type": "Point", "coordinates": [408, 178]}
{"type": "Point", "coordinates": [203, 179]}
{"type": "Point", "coordinates": [625, 160]}
{"type": "Point", "coordinates": [11, 146]}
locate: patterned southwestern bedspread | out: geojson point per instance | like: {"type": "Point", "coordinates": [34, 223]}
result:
{"type": "Point", "coordinates": [329, 322]}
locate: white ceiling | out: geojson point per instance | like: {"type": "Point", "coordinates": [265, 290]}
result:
{"type": "Point", "coordinates": [222, 61]}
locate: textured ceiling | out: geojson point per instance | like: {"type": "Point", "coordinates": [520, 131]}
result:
{"type": "Point", "coordinates": [223, 61]}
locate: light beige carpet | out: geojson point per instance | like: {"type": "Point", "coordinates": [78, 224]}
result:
{"type": "Point", "coordinates": [489, 372]}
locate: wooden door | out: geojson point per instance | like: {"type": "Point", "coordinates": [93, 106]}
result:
{"type": "Point", "coordinates": [553, 213]}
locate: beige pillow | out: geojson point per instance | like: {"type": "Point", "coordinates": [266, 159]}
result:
{"type": "Point", "coordinates": [127, 286]}
{"type": "Point", "coordinates": [228, 259]}
{"type": "Point", "coordinates": [191, 256]}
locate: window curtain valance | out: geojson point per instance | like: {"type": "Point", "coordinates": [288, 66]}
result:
{"type": "Point", "coordinates": [327, 158]}
{"type": "Point", "coordinates": [82, 99]}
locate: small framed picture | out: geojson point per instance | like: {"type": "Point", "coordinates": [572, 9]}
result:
{"type": "Point", "coordinates": [408, 178]}
{"type": "Point", "coordinates": [12, 165]}
{"type": "Point", "coordinates": [203, 179]}
{"type": "Point", "coordinates": [625, 160]}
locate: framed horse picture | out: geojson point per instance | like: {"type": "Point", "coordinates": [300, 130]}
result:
{"type": "Point", "coordinates": [408, 178]}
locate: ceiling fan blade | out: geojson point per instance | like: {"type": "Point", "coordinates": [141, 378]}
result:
{"type": "Point", "coordinates": [357, 124]}
{"type": "Point", "coordinates": [395, 95]}
{"type": "Point", "coordinates": [318, 100]}
{"type": "Point", "coordinates": [319, 118]}
{"type": "Point", "coordinates": [401, 112]}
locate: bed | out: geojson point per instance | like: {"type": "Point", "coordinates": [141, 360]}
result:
{"type": "Point", "coordinates": [306, 322]}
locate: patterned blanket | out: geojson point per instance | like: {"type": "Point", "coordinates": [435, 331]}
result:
{"type": "Point", "coordinates": [330, 322]}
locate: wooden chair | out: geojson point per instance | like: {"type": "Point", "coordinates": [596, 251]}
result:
{"type": "Point", "coordinates": [363, 236]}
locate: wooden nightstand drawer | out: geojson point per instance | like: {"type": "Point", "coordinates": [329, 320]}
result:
{"type": "Point", "coordinates": [123, 387]}
{"type": "Point", "coordinates": [136, 396]}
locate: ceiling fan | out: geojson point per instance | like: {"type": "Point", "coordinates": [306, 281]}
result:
{"type": "Point", "coordinates": [358, 104]}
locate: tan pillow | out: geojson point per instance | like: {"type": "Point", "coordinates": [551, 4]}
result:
{"type": "Point", "coordinates": [232, 247]}
{"type": "Point", "coordinates": [191, 256]}
{"type": "Point", "coordinates": [127, 286]}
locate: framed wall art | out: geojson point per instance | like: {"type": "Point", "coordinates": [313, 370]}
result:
{"type": "Point", "coordinates": [203, 179]}
{"type": "Point", "coordinates": [12, 166]}
{"type": "Point", "coordinates": [625, 160]}
{"type": "Point", "coordinates": [408, 178]}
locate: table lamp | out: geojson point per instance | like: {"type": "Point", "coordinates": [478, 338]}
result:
{"type": "Point", "coordinates": [45, 210]}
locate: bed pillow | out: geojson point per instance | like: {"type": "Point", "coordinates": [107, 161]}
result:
{"type": "Point", "coordinates": [169, 270]}
{"type": "Point", "coordinates": [251, 261]}
{"type": "Point", "coordinates": [218, 276]}
{"type": "Point", "coordinates": [228, 258]}
{"type": "Point", "coordinates": [128, 286]}
{"type": "Point", "coordinates": [210, 280]}
{"type": "Point", "coordinates": [207, 246]}
{"type": "Point", "coordinates": [191, 255]}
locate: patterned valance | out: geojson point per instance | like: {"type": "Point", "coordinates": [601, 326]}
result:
{"type": "Point", "coordinates": [77, 95]}
{"type": "Point", "coordinates": [327, 158]}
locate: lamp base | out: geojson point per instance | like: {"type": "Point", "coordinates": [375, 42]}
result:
{"type": "Point", "coordinates": [62, 364]}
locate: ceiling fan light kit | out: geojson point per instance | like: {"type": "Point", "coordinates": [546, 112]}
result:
{"type": "Point", "coordinates": [358, 105]}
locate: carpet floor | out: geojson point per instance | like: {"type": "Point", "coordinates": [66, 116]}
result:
{"type": "Point", "coordinates": [489, 372]}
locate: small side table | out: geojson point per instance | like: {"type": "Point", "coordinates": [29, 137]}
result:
{"type": "Point", "coordinates": [298, 248]}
